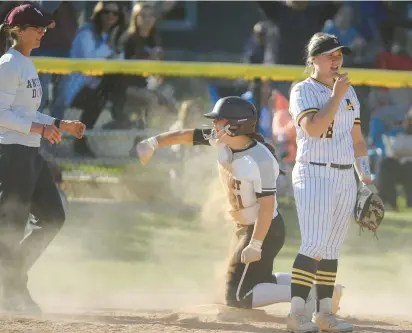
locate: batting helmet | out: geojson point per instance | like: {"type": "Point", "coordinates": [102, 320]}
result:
{"type": "Point", "coordinates": [242, 115]}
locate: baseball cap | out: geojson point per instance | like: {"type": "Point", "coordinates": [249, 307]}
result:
{"type": "Point", "coordinates": [28, 15]}
{"type": "Point", "coordinates": [329, 45]}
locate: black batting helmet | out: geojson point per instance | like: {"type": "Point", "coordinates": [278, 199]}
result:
{"type": "Point", "coordinates": [242, 115]}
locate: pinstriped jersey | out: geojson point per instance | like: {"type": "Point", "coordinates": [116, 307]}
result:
{"type": "Point", "coordinates": [336, 144]}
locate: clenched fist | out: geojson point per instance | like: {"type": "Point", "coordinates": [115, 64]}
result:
{"type": "Point", "coordinates": [73, 127]}
{"type": "Point", "coordinates": [145, 149]}
{"type": "Point", "coordinates": [341, 85]}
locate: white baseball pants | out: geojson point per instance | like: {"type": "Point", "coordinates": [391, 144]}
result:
{"type": "Point", "coordinates": [325, 201]}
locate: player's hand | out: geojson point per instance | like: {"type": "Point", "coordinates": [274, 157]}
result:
{"type": "Point", "coordinates": [367, 180]}
{"type": "Point", "coordinates": [145, 149]}
{"type": "Point", "coordinates": [341, 86]}
{"type": "Point", "coordinates": [73, 127]}
{"type": "Point", "coordinates": [51, 133]}
{"type": "Point", "coordinates": [252, 252]}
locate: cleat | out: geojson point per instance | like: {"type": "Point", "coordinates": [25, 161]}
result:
{"type": "Point", "coordinates": [300, 323]}
{"type": "Point", "coordinates": [328, 322]}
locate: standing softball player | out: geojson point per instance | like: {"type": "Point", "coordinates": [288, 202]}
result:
{"type": "Point", "coordinates": [26, 183]}
{"type": "Point", "coordinates": [248, 171]}
{"type": "Point", "coordinates": [326, 112]}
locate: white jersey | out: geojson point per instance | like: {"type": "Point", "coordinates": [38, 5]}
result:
{"type": "Point", "coordinates": [20, 97]}
{"type": "Point", "coordinates": [246, 175]}
{"type": "Point", "coordinates": [252, 172]}
{"type": "Point", "coordinates": [336, 145]}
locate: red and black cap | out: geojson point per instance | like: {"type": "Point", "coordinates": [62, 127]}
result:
{"type": "Point", "coordinates": [29, 15]}
{"type": "Point", "coordinates": [327, 46]}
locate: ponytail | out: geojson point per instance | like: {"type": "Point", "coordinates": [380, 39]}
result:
{"type": "Point", "coordinates": [259, 138]}
{"type": "Point", "coordinates": [4, 38]}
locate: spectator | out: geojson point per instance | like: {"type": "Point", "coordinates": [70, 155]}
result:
{"type": "Point", "coordinates": [369, 18]}
{"type": "Point", "coordinates": [342, 27]}
{"type": "Point", "coordinates": [396, 167]}
{"type": "Point", "coordinates": [284, 136]}
{"type": "Point", "coordinates": [297, 21]}
{"type": "Point", "coordinates": [57, 43]}
{"type": "Point", "coordinates": [89, 93]}
{"type": "Point", "coordinates": [260, 48]}
{"type": "Point", "coordinates": [7, 6]}
{"type": "Point", "coordinates": [284, 132]}
{"type": "Point", "coordinates": [140, 41]}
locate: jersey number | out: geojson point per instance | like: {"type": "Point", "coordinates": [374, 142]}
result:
{"type": "Point", "coordinates": [329, 133]}
{"type": "Point", "coordinates": [236, 199]}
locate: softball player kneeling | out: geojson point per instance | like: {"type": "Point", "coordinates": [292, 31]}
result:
{"type": "Point", "coordinates": [248, 170]}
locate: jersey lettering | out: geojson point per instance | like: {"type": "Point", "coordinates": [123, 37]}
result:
{"type": "Point", "coordinates": [335, 145]}
{"type": "Point", "coordinates": [349, 105]}
{"type": "Point", "coordinates": [235, 198]}
{"type": "Point", "coordinates": [329, 132]}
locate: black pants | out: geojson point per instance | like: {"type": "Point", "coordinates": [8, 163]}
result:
{"type": "Point", "coordinates": [92, 101]}
{"type": "Point", "coordinates": [242, 278]}
{"type": "Point", "coordinates": [26, 186]}
{"type": "Point", "coordinates": [392, 172]}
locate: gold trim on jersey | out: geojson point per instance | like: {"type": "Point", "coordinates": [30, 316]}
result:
{"type": "Point", "coordinates": [357, 121]}
{"type": "Point", "coordinates": [305, 112]}
{"type": "Point", "coordinates": [323, 84]}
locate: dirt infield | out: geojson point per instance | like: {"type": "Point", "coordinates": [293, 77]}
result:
{"type": "Point", "coordinates": [152, 266]}
{"type": "Point", "coordinates": [198, 319]}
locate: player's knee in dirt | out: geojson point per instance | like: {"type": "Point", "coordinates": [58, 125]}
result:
{"type": "Point", "coordinates": [235, 299]}
{"type": "Point", "coordinates": [54, 218]}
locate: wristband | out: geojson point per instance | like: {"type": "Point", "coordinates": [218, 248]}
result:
{"type": "Point", "coordinates": [256, 244]}
{"type": "Point", "coordinates": [57, 123]}
{"type": "Point", "coordinates": [42, 132]}
{"type": "Point", "coordinates": [362, 167]}
{"type": "Point", "coordinates": [153, 143]}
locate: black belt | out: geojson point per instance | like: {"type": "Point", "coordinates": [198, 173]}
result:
{"type": "Point", "coordinates": [333, 165]}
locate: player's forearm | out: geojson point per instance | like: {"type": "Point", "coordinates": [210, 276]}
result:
{"type": "Point", "coordinates": [318, 123]}
{"type": "Point", "coordinates": [362, 166]}
{"type": "Point", "coordinates": [360, 149]}
{"type": "Point", "coordinates": [264, 219]}
{"type": "Point", "coordinates": [175, 138]}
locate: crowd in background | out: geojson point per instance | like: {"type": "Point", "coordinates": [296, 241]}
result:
{"type": "Point", "coordinates": [379, 33]}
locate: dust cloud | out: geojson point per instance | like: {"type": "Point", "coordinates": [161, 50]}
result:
{"type": "Point", "coordinates": [85, 267]}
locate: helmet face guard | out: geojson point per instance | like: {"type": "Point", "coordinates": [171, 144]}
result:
{"type": "Point", "coordinates": [241, 127]}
